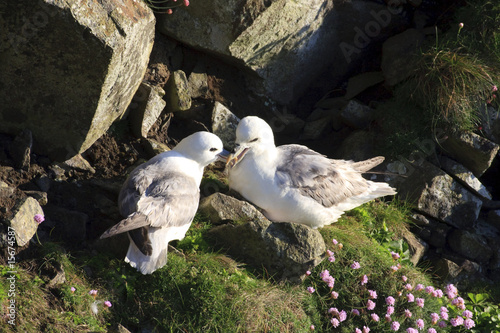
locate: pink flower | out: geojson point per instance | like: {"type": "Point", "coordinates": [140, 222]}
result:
{"type": "Point", "coordinates": [420, 324]}
{"type": "Point", "coordinates": [93, 292]}
{"type": "Point", "coordinates": [364, 280]}
{"type": "Point", "coordinates": [312, 327]}
{"type": "Point", "coordinates": [444, 315]}
{"type": "Point", "coordinates": [370, 305]}
{"type": "Point", "coordinates": [444, 309]}
{"type": "Point", "coordinates": [390, 300]}
{"type": "Point", "coordinates": [431, 330]}
{"type": "Point", "coordinates": [459, 303]}
{"type": "Point", "coordinates": [408, 287]}
{"type": "Point", "coordinates": [331, 259]}
{"type": "Point", "coordinates": [335, 322]}
{"type": "Point", "coordinates": [107, 304]}
{"type": "Point", "coordinates": [366, 329]}
{"type": "Point", "coordinates": [404, 278]}
{"type": "Point", "coordinates": [333, 311]}
{"type": "Point", "coordinates": [355, 265]}
{"type": "Point", "coordinates": [330, 253]}
{"type": "Point", "coordinates": [429, 289]}
{"type": "Point", "coordinates": [457, 321]}
{"type": "Point", "coordinates": [442, 324]}
{"type": "Point", "coordinates": [355, 312]}
{"type": "Point", "coordinates": [39, 218]}
{"type": "Point", "coordinates": [358, 330]}
{"type": "Point", "coordinates": [73, 289]}
{"type": "Point", "coordinates": [388, 318]}
{"type": "Point", "coordinates": [434, 318]}
{"type": "Point", "coordinates": [408, 313]}
{"type": "Point", "coordinates": [334, 241]}
{"type": "Point", "coordinates": [438, 293]}
{"type": "Point", "coordinates": [186, 3]}
{"type": "Point", "coordinates": [324, 274]}
{"type": "Point", "coordinates": [169, 11]}
{"type": "Point", "coordinates": [411, 330]}
{"type": "Point", "coordinates": [390, 310]}
{"type": "Point", "coordinates": [310, 290]}
{"type": "Point", "coordinates": [420, 302]}
{"type": "Point", "coordinates": [451, 291]}
{"type": "Point", "coordinates": [308, 273]}
{"type": "Point", "coordinates": [494, 88]}
{"type": "Point", "coordinates": [342, 316]}
{"type": "Point", "coordinates": [330, 280]}
{"type": "Point", "coordinates": [460, 25]}
{"type": "Point", "coordinates": [419, 287]}
{"type": "Point", "coordinates": [469, 323]}
{"type": "Point", "coordinates": [395, 255]}
{"type": "Point", "coordinates": [373, 294]}
{"type": "Point", "coordinates": [467, 314]}
{"type": "Point", "coordinates": [395, 326]}
{"type": "Point", "coordinates": [335, 295]}
{"type": "Point", "coordinates": [410, 298]}
{"type": "Point", "coordinates": [375, 317]}
{"type": "Point", "coordinates": [394, 268]}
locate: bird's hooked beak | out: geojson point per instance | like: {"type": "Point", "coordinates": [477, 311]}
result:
{"type": "Point", "coordinates": [223, 155]}
{"type": "Point", "coordinates": [237, 156]}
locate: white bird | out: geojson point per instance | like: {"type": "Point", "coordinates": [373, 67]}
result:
{"type": "Point", "coordinates": [160, 198]}
{"type": "Point", "coordinates": [292, 183]}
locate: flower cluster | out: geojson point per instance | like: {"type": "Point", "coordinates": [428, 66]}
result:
{"type": "Point", "coordinates": [414, 308]}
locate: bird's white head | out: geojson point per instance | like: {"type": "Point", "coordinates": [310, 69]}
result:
{"type": "Point", "coordinates": [253, 135]}
{"type": "Point", "coordinates": [202, 147]}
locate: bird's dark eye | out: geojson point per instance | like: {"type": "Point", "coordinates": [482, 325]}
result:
{"type": "Point", "coordinates": [213, 149]}
{"type": "Point", "coordinates": [256, 139]}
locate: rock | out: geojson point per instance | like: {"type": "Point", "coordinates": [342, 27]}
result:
{"type": "Point", "coordinates": [397, 53]}
{"type": "Point", "coordinates": [58, 276]}
{"type": "Point", "coordinates": [446, 269]}
{"type": "Point", "coordinates": [357, 115]}
{"type": "Point", "coordinates": [315, 129]}
{"type": "Point", "coordinates": [154, 147]}
{"type": "Point", "coordinates": [471, 150]}
{"type": "Point", "coordinates": [285, 250]}
{"type": "Point", "coordinates": [20, 149]}
{"type": "Point", "coordinates": [39, 196]}
{"type": "Point", "coordinates": [287, 44]}
{"type": "Point", "coordinates": [145, 109]}
{"type": "Point", "coordinates": [435, 193]}
{"type": "Point", "coordinates": [469, 245]}
{"type": "Point", "coordinates": [494, 218]}
{"type": "Point", "coordinates": [464, 176]}
{"type": "Point", "coordinates": [224, 124]}
{"type": "Point", "coordinates": [70, 226]}
{"type": "Point", "coordinates": [198, 84]}
{"type": "Point", "coordinates": [22, 220]}
{"type": "Point", "coordinates": [79, 163]}
{"type": "Point", "coordinates": [359, 83]}
{"type": "Point", "coordinates": [5, 190]}
{"type": "Point", "coordinates": [43, 183]}
{"type": "Point", "coordinates": [417, 247]}
{"type": "Point", "coordinates": [221, 208]}
{"type": "Point", "coordinates": [358, 146]}
{"type": "Point", "coordinates": [177, 92]}
{"type": "Point", "coordinates": [490, 123]}
{"type": "Point", "coordinates": [69, 70]}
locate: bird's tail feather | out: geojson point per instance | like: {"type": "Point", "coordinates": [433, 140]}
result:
{"type": "Point", "coordinates": [134, 221]}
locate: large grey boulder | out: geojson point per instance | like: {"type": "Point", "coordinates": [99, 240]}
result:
{"type": "Point", "coordinates": [470, 245]}
{"type": "Point", "coordinates": [69, 68]}
{"type": "Point", "coordinates": [286, 45]}
{"type": "Point", "coordinates": [145, 109]}
{"type": "Point", "coordinates": [285, 250]}
{"type": "Point", "coordinates": [224, 124]}
{"type": "Point", "coordinates": [435, 193]}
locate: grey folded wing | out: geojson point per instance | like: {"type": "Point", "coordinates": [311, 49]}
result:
{"type": "Point", "coordinates": [327, 181]}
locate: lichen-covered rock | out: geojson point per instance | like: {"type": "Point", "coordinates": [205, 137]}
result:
{"type": "Point", "coordinates": [22, 220]}
{"type": "Point", "coordinates": [284, 45]}
{"type": "Point", "coordinates": [177, 92]}
{"type": "Point", "coordinates": [417, 247]}
{"type": "Point", "coordinates": [70, 68]}
{"type": "Point", "coordinates": [145, 109]}
{"type": "Point", "coordinates": [357, 115]}
{"type": "Point", "coordinates": [437, 194]}
{"type": "Point", "coordinates": [221, 208]}
{"type": "Point", "coordinates": [469, 245]}
{"type": "Point", "coordinates": [465, 176]}
{"type": "Point", "coordinates": [285, 250]}
{"type": "Point", "coordinates": [473, 151]}
{"type": "Point", "coordinates": [224, 124]}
